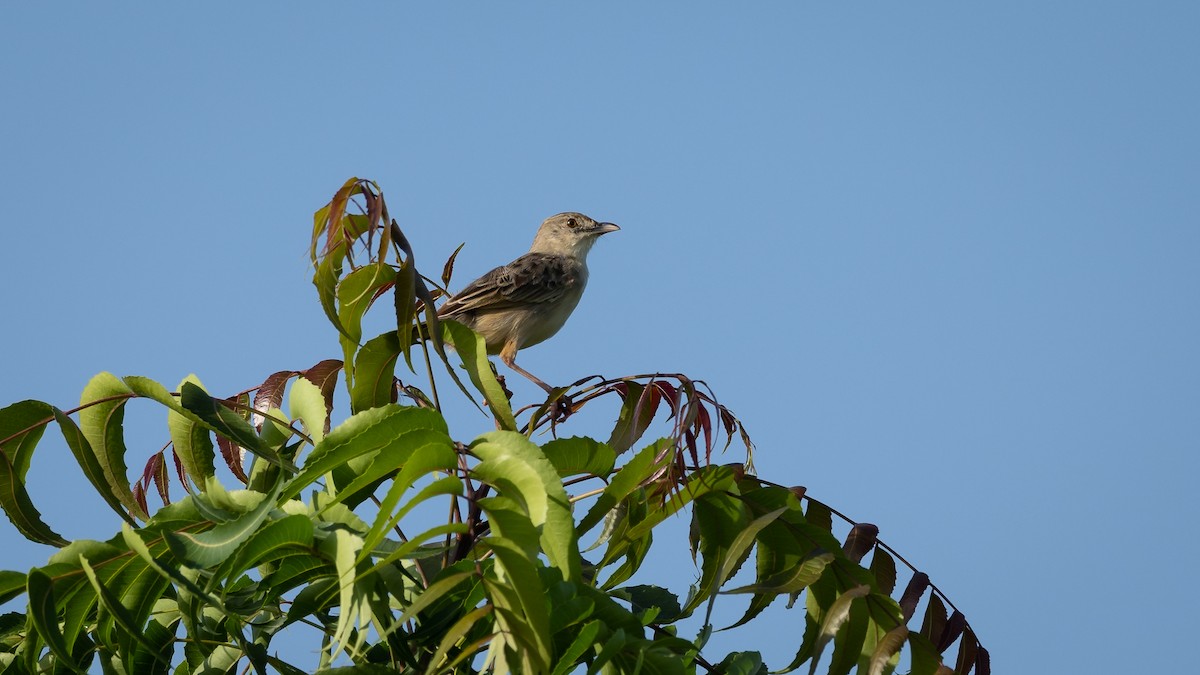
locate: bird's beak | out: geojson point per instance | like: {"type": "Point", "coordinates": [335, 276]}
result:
{"type": "Point", "coordinates": [605, 228]}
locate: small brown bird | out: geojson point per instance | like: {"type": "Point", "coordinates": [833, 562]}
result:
{"type": "Point", "coordinates": [528, 300]}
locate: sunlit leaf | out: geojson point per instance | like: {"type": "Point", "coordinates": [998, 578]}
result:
{"type": "Point", "coordinates": [102, 426]}
{"type": "Point", "coordinates": [473, 352]}
{"type": "Point", "coordinates": [307, 404]}
{"type": "Point", "coordinates": [210, 548]}
{"type": "Point", "coordinates": [518, 469]}
{"type": "Point", "coordinates": [366, 433]}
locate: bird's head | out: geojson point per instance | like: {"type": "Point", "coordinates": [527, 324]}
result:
{"type": "Point", "coordinates": [569, 234]}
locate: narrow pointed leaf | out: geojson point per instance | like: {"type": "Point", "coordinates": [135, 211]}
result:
{"type": "Point", "coordinates": [886, 649]}
{"type": "Point", "coordinates": [210, 548]}
{"type": "Point", "coordinates": [19, 508]}
{"type": "Point", "coordinates": [473, 352]}
{"type": "Point", "coordinates": [89, 463]}
{"type": "Point", "coordinates": [192, 442]}
{"type": "Point", "coordinates": [228, 423]}
{"type": "Point", "coordinates": [112, 604]}
{"type": "Point", "coordinates": [512, 463]}
{"type": "Point", "coordinates": [837, 615]}
{"type": "Point", "coordinates": [44, 615]}
{"type": "Point", "coordinates": [102, 426]}
{"type": "Point", "coordinates": [375, 373]}
{"type": "Point", "coordinates": [307, 404]}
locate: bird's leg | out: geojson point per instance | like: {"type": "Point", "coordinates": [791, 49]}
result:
{"type": "Point", "coordinates": [509, 356]}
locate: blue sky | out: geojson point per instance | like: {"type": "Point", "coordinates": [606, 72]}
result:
{"type": "Point", "coordinates": [942, 259]}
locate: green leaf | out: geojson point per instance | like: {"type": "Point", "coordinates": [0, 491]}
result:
{"type": "Point", "coordinates": [386, 519]}
{"type": "Point", "coordinates": [523, 611]}
{"type": "Point", "coordinates": [637, 411]}
{"type": "Point", "coordinates": [837, 614]}
{"type": "Point", "coordinates": [19, 508]}
{"type": "Point", "coordinates": [518, 469]}
{"type": "Point", "coordinates": [454, 635]}
{"type": "Point", "coordinates": [210, 548]}
{"type": "Point", "coordinates": [883, 568]}
{"type": "Point", "coordinates": [228, 423]}
{"type": "Point", "coordinates": [369, 432]}
{"type": "Point", "coordinates": [579, 456]}
{"type": "Point", "coordinates": [883, 658]}
{"type": "Point", "coordinates": [306, 403]}
{"type": "Point", "coordinates": [12, 584]}
{"type": "Point", "coordinates": [355, 293]}
{"type": "Point", "coordinates": [192, 442]}
{"type": "Point", "coordinates": [472, 349]}
{"type": "Point", "coordinates": [89, 462]}
{"type": "Point", "coordinates": [272, 541]}
{"type": "Point", "coordinates": [582, 643]}
{"type": "Point", "coordinates": [102, 426]}
{"type": "Point", "coordinates": [633, 474]}
{"type": "Point", "coordinates": [849, 641]}
{"type": "Point", "coordinates": [643, 598]}
{"type": "Point", "coordinates": [350, 598]}
{"type": "Point", "coordinates": [404, 299]}
{"type": "Point", "coordinates": [44, 615]}
{"type": "Point", "coordinates": [131, 628]}
{"type": "Point", "coordinates": [743, 663]}
{"type": "Point", "coordinates": [21, 427]}
{"type": "Point", "coordinates": [375, 373]}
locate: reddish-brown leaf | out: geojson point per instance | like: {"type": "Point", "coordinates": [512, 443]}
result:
{"type": "Point", "coordinates": [233, 455]}
{"type": "Point", "coordinates": [860, 541]}
{"type": "Point", "coordinates": [967, 651]}
{"type": "Point", "coordinates": [934, 623]}
{"type": "Point", "coordinates": [954, 628]}
{"type": "Point", "coordinates": [983, 662]}
{"type": "Point", "coordinates": [183, 479]}
{"type": "Point", "coordinates": [270, 394]}
{"type": "Point", "coordinates": [139, 496]}
{"type": "Point", "coordinates": [912, 594]}
{"type": "Point", "coordinates": [162, 480]}
{"type": "Point", "coordinates": [448, 268]}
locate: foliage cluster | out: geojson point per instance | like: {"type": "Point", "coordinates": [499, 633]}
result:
{"type": "Point", "coordinates": [324, 529]}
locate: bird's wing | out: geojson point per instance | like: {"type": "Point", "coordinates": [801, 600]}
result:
{"type": "Point", "coordinates": [532, 279]}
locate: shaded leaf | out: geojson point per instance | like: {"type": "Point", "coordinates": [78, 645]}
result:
{"type": "Point", "coordinates": [912, 594]}
{"type": "Point", "coordinates": [375, 373]}
{"type": "Point", "coordinates": [19, 508]}
{"type": "Point", "coordinates": [837, 615]}
{"type": "Point", "coordinates": [860, 541]}
{"type": "Point", "coordinates": [44, 616]}
{"type": "Point", "coordinates": [228, 423]}
{"type": "Point", "coordinates": [579, 455]}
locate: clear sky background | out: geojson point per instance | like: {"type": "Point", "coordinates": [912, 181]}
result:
{"type": "Point", "coordinates": [942, 258]}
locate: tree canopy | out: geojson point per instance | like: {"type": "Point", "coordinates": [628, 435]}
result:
{"type": "Point", "coordinates": [290, 520]}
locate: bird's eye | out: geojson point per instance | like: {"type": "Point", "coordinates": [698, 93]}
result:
{"type": "Point", "coordinates": [571, 223]}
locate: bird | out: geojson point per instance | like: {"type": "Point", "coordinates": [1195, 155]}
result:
{"type": "Point", "coordinates": [527, 301]}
